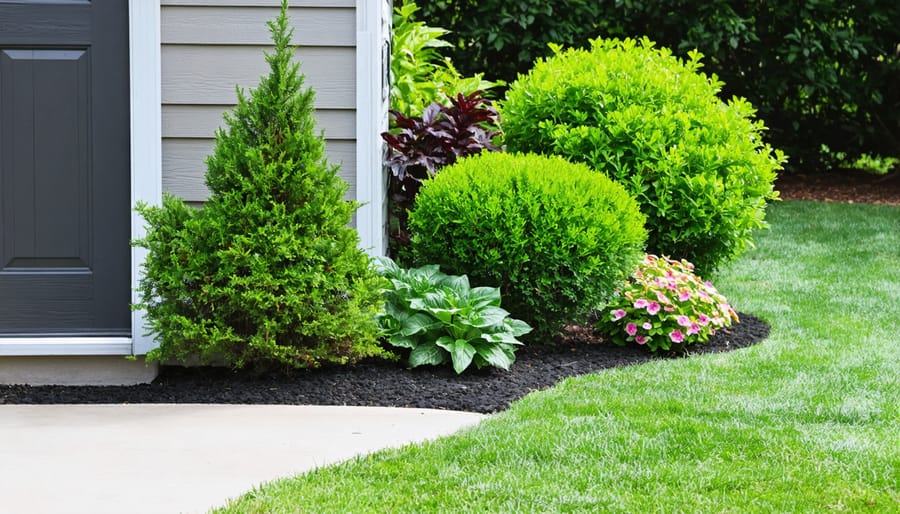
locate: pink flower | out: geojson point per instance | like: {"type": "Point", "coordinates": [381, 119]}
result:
{"type": "Point", "coordinates": [647, 325]}
{"type": "Point", "coordinates": [669, 308]}
{"type": "Point", "coordinates": [641, 339]}
{"type": "Point", "coordinates": [684, 321]}
{"type": "Point", "coordinates": [631, 329]}
{"type": "Point", "coordinates": [676, 336]}
{"type": "Point", "coordinates": [684, 296]}
{"type": "Point", "coordinates": [653, 308]}
{"type": "Point", "coordinates": [695, 329]}
{"type": "Point", "coordinates": [661, 297]}
{"type": "Point", "coordinates": [704, 319]}
{"type": "Point", "coordinates": [640, 303]}
{"type": "Point", "coordinates": [672, 285]}
{"type": "Point", "coordinates": [618, 314]}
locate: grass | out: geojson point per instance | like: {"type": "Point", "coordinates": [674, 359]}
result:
{"type": "Point", "coordinates": [807, 421]}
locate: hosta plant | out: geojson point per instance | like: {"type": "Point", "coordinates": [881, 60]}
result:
{"type": "Point", "coordinates": [664, 305]}
{"type": "Point", "coordinates": [439, 318]}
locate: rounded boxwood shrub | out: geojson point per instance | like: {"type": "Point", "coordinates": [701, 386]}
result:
{"type": "Point", "coordinates": [555, 236]}
{"type": "Point", "coordinates": [697, 165]}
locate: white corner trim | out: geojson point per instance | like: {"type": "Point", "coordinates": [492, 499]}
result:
{"type": "Point", "coordinates": [371, 121]}
{"type": "Point", "coordinates": [59, 346]}
{"type": "Point", "coordinates": [146, 139]}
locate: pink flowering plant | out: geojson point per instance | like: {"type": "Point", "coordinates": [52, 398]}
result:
{"type": "Point", "coordinates": [664, 305]}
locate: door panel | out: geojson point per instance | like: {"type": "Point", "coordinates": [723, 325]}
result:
{"type": "Point", "coordinates": [64, 169]}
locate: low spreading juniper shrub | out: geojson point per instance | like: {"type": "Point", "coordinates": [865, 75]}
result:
{"type": "Point", "coordinates": [554, 236]}
{"type": "Point", "coordinates": [268, 273]}
{"type": "Point", "coordinates": [697, 165]}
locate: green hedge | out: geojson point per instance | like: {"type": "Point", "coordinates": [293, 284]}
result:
{"type": "Point", "coordinates": [819, 71]}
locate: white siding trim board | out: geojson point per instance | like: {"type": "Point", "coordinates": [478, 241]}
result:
{"type": "Point", "coordinates": [373, 34]}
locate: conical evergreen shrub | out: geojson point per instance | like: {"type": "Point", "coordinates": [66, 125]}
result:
{"type": "Point", "coordinates": [268, 272]}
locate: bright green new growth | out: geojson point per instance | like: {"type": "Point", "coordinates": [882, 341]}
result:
{"type": "Point", "coordinates": [268, 272]}
{"type": "Point", "coordinates": [439, 318]}
{"type": "Point", "coordinates": [696, 164]}
{"type": "Point", "coordinates": [419, 75]}
{"type": "Point", "coordinates": [556, 237]}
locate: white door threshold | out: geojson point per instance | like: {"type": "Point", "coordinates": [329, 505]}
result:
{"type": "Point", "coordinates": [64, 346]}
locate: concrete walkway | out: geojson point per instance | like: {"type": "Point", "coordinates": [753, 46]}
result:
{"type": "Point", "coordinates": [184, 458]}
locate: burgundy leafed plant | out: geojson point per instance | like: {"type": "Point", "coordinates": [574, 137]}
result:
{"type": "Point", "coordinates": [421, 146]}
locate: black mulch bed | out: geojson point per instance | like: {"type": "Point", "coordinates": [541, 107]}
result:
{"type": "Point", "coordinates": [382, 383]}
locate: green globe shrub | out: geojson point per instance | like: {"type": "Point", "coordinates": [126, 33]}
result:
{"type": "Point", "coordinates": [268, 273]}
{"type": "Point", "coordinates": [555, 236]}
{"type": "Point", "coordinates": [697, 165]}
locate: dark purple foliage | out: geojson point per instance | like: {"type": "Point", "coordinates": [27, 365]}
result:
{"type": "Point", "coordinates": [423, 145]}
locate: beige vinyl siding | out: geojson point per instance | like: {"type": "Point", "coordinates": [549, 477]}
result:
{"type": "Point", "coordinates": [210, 46]}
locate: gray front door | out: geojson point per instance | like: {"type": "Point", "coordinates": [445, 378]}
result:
{"type": "Point", "coordinates": [65, 174]}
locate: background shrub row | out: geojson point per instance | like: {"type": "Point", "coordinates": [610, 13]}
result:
{"type": "Point", "coordinates": [820, 72]}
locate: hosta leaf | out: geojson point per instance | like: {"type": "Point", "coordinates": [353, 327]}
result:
{"type": "Point", "coordinates": [501, 337]}
{"type": "Point", "coordinates": [495, 355]}
{"type": "Point", "coordinates": [418, 323]}
{"type": "Point", "coordinates": [489, 316]}
{"type": "Point", "coordinates": [461, 354]}
{"type": "Point", "coordinates": [445, 342]}
{"type": "Point", "coordinates": [481, 296]}
{"type": "Point", "coordinates": [458, 284]}
{"type": "Point", "coordinates": [517, 327]}
{"type": "Point", "coordinates": [402, 341]}
{"type": "Point", "coordinates": [396, 311]}
{"type": "Point", "coordinates": [428, 353]}
{"type": "Point", "coordinates": [384, 266]}
{"type": "Point", "coordinates": [427, 272]}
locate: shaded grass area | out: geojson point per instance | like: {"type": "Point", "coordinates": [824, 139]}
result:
{"type": "Point", "coordinates": [807, 421]}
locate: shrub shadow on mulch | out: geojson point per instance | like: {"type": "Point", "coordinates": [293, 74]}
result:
{"type": "Point", "coordinates": [388, 384]}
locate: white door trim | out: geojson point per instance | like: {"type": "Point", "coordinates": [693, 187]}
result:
{"type": "Point", "coordinates": [146, 185]}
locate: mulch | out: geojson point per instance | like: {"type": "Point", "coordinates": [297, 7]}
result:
{"type": "Point", "coordinates": [845, 186]}
{"type": "Point", "coordinates": [490, 390]}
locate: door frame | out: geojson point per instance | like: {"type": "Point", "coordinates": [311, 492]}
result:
{"type": "Point", "coordinates": [146, 185]}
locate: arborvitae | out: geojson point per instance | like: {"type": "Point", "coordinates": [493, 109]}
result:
{"type": "Point", "coordinates": [268, 271]}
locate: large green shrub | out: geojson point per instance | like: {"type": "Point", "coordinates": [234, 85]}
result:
{"type": "Point", "coordinates": [268, 272]}
{"type": "Point", "coordinates": [821, 72]}
{"type": "Point", "coordinates": [696, 165]}
{"type": "Point", "coordinates": [556, 237]}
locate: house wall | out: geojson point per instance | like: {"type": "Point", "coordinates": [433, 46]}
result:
{"type": "Point", "coordinates": [210, 46]}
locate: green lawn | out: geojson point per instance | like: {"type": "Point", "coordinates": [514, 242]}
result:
{"type": "Point", "coordinates": [808, 421]}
